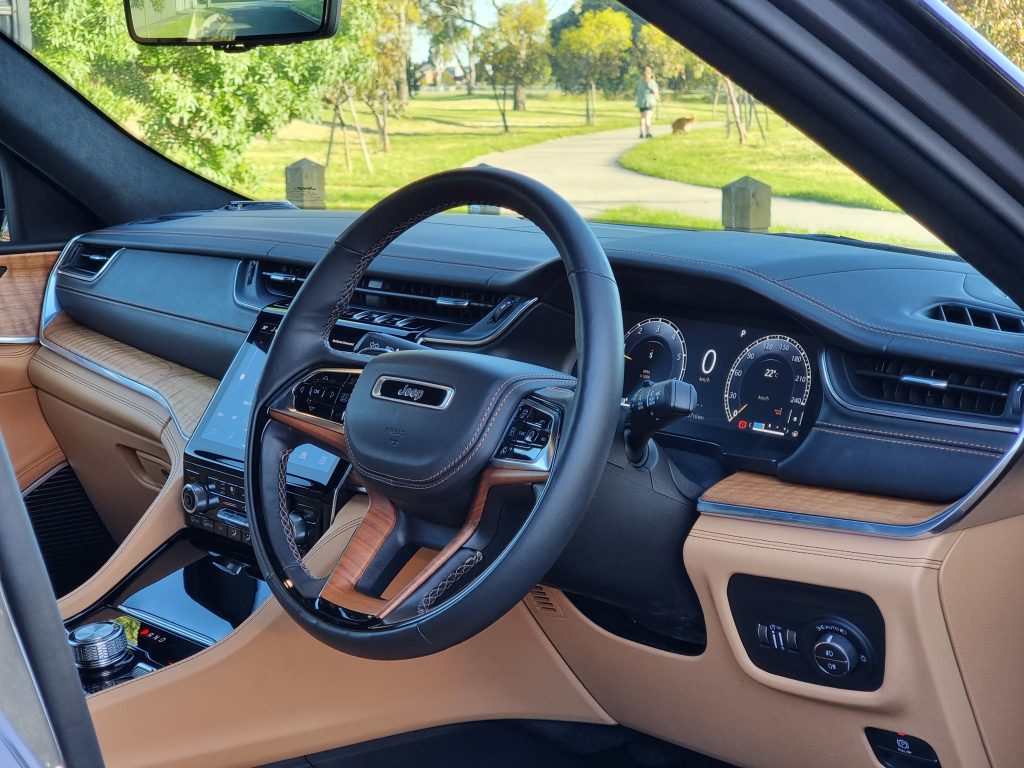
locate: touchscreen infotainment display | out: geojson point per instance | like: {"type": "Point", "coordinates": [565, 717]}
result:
{"type": "Point", "coordinates": [225, 425]}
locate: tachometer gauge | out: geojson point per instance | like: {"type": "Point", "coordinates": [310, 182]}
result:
{"type": "Point", "coordinates": [768, 387]}
{"type": "Point", "coordinates": [655, 351]}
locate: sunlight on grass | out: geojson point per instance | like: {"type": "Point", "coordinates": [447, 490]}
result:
{"type": "Point", "coordinates": [652, 217]}
{"type": "Point", "coordinates": [437, 132]}
{"type": "Point", "coordinates": [792, 164]}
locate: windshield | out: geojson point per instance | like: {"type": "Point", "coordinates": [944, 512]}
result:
{"type": "Point", "coordinates": [586, 97]}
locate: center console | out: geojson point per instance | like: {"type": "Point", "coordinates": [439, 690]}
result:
{"type": "Point", "coordinates": [213, 495]}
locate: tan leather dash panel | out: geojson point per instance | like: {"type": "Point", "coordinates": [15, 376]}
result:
{"type": "Point", "coordinates": [748, 489]}
{"type": "Point", "coordinates": [21, 292]}
{"type": "Point", "coordinates": [186, 391]}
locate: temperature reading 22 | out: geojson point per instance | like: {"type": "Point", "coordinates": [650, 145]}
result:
{"type": "Point", "coordinates": [768, 387]}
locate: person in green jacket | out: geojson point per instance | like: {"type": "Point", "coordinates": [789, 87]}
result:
{"type": "Point", "coordinates": [647, 95]}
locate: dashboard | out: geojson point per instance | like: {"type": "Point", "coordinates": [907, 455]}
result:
{"type": "Point", "coordinates": [757, 387]}
{"type": "Point", "coordinates": [814, 361]}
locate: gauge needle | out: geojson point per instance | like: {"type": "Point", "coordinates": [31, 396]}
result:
{"type": "Point", "coordinates": [741, 410]}
{"type": "Point", "coordinates": [628, 358]}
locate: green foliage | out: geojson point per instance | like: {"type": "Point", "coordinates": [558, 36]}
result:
{"type": "Point", "coordinates": [200, 107]}
{"type": "Point", "coordinates": [595, 53]}
{"type": "Point", "coordinates": [515, 52]}
{"type": "Point", "coordinates": [1001, 21]}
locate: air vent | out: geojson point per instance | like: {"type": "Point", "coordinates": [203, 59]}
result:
{"type": "Point", "coordinates": [86, 261]}
{"type": "Point", "coordinates": [977, 317]}
{"type": "Point", "coordinates": [929, 385]}
{"type": "Point", "coordinates": [449, 304]}
{"type": "Point", "coordinates": [541, 602]}
{"type": "Point", "coordinates": [283, 279]}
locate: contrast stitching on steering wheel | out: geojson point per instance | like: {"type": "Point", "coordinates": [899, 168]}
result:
{"type": "Point", "coordinates": [435, 594]}
{"type": "Point", "coordinates": [364, 262]}
{"type": "Point", "coordinates": [282, 502]}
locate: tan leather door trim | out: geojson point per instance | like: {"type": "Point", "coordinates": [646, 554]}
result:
{"type": "Point", "coordinates": [33, 448]}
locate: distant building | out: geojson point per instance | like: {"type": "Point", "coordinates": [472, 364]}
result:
{"type": "Point", "coordinates": [15, 22]}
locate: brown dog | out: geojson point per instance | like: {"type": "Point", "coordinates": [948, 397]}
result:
{"type": "Point", "coordinates": [684, 124]}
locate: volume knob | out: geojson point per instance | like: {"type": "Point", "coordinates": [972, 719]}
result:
{"type": "Point", "coordinates": [99, 645]}
{"type": "Point", "coordinates": [196, 498]}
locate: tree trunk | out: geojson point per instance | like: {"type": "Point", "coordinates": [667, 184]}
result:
{"type": "Point", "coordinates": [359, 131]}
{"type": "Point", "coordinates": [519, 104]}
{"type": "Point", "coordinates": [404, 94]}
{"type": "Point", "coordinates": [593, 103]}
{"type": "Point", "coordinates": [734, 102]}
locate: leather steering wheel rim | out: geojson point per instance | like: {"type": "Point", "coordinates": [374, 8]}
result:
{"type": "Point", "coordinates": [302, 344]}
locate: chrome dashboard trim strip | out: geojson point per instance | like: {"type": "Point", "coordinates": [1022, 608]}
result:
{"type": "Point", "coordinates": [51, 308]}
{"type": "Point", "coordinates": [86, 278]}
{"type": "Point", "coordinates": [503, 326]}
{"type": "Point", "coordinates": [944, 520]}
{"type": "Point", "coordinates": [18, 339]}
{"type": "Point", "coordinates": [830, 388]}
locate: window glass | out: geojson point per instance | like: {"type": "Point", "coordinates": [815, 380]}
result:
{"type": "Point", "coordinates": [585, 96]}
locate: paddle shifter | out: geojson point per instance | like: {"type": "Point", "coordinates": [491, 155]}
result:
{"type": "Point", "coordinates": [652, 408]}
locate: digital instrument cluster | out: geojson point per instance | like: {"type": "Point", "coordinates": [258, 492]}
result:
{"type": "Point", "coordinates": [748, 380]}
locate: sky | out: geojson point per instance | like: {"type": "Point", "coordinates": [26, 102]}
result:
{"type": "Point", "coordinates": [485, 13]}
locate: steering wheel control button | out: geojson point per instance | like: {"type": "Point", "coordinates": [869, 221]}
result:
{"type": "Point", "coordinates": [325, 394]}
{"type": "Point", "coordinates": [99, 645]}
{"type": "Point", "coordinates": [528, 437]}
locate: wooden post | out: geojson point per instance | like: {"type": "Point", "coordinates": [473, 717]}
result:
{"type": "Point", "coordinates": [734, 103]}
{"type": "Point", "coordinates": [359, 130]}
{"type": "Point", "coordinates": [304, 182]}
{"type": "Point", "coordinates": [747, 205]}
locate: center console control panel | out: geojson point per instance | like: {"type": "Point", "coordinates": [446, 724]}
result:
{"type": "Point", "coordinates": [213, 496]}
{"type": "Point", "coordinates": [819, 635]}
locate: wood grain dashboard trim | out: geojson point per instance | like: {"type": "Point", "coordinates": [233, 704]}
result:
{"type": "Point", "coordinates": [21, 292]}
{"type": "Point", "coordinates": [184, 391]}
{"type": "Point", "coordinates": [763, 492]}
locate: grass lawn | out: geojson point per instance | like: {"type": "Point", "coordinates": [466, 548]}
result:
{"type": "Point", "coordinates": [791, 163]}
{"type": "Point", "coordinates": [437, 132]}
{"type": "Point", "coordinates": [637, 214]}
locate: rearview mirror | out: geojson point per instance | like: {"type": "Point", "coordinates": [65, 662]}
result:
{"type": "Point", "coordinates": [233, 25]}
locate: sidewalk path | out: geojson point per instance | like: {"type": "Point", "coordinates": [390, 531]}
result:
{"type": "Point", "coordinates": [585, 170]}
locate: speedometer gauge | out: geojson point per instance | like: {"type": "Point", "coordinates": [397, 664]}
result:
{"type": "Point", "coordinates": [768, 387]}
{"type": "Point", "coordinates": [655, 351]}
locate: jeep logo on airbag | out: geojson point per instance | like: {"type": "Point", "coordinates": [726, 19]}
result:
{"type": "Point", "coordinates": [413, 392]}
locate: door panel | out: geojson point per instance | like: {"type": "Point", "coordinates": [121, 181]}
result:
{"type": "Point", "coordinates": [33, 448]}
{"type": "Point", "coordinates": [22, 282]}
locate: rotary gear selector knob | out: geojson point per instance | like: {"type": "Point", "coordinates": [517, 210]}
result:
{"type": "Point", "coordinates": [99, 645]}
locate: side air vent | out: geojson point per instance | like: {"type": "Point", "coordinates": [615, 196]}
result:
{"type": "Point", "coordinates": [447, 304]}
{"type": "Point", "coordinates": [283, 279]}
{"type": "Point", "coordinates": [86, 261]}
{"type": "Point", "coordinates": [929, 385]}
{"type": "Point", "coordinates": [977, 317]}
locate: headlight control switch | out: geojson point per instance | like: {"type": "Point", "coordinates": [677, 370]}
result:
{"type": "Point", "coordinates": [835, 655]}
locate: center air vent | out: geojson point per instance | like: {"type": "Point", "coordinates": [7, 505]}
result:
{"type": "Point", "coordinates": [86, 261]}
{"type": "Point", "coordinates": [283, 279]}
{"type": "Point", "coordinates": [929, 385]}
{"type": "Point", "coordinates": [449, 304]}
{"type": "Point", "coordinates": [977, 317]}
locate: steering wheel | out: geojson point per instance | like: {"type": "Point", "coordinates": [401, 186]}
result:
{"type": "Point", "coordinates": [478, 468]}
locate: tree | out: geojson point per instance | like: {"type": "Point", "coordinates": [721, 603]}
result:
{"type": "Point", "coordinates": [516, 50]}
{"type": "Point", "coordinates": [199, 106]}
{"type": "Point", "coordinates": [660, 52]}
{"type": "Point", "coordinates": [595, 53]}
{"type": "Point", "coordinates": [1001, 21]}
{"type": "Point", "coordinates": [454, 34]}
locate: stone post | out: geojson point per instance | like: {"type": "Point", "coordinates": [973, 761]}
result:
{"type": "Point", "coordinates": [747, 205]}
{"type": "Point", "coordinates": [304, 182]}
